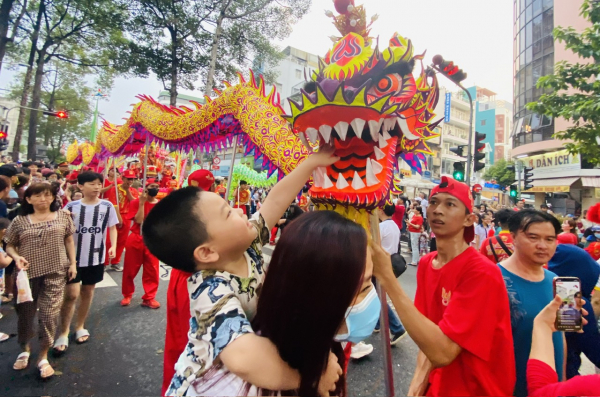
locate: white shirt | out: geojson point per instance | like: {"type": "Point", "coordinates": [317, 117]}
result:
{"type": "Point", "coordinates": [424, 205]}
{"type": "Point", "coordinates": [92, 222]}
{"type": "Point", "coordinates": [482, 232]}
{"type": "Point", "coordinates": [390, 236]}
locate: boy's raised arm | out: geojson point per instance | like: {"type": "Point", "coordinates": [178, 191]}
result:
{"type": "Point", "coordinates": [288, 188]}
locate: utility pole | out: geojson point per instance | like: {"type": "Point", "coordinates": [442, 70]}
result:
{"type": "Point", "coordinates": [519, 166]}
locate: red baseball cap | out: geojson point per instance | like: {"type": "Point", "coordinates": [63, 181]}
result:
{"type": "Point", "coordinates": [129, 174]}
{"type": "Point", "coordinates": [594, 250]}
{"type": "Point", "coordinates": [203, 179]}
{"type": "Point", "coordinates": [150, 181]}
{"type": "Point", "coordinates": [462, 192]}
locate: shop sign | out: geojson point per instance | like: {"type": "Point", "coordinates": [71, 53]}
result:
{"type": "Point", "coordinates": [549, 189]}
{"type": "Point", "coordinates": [550, 163]}
{"type": "Point", "coordinates": [406, 173]}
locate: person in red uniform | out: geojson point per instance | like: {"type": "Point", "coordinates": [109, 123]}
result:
{"type": "Point", "coordinates": [136, 253]}
{"type": "Point", "coordinates": [500, 247]}
{"type": "Point", "coordinates": [242, 197]}
{"type": "Point", "coordinates": [221, 188]}
{"type": "Point", "coordinates": [461, 315]}
{"type": "Point", "coordinates": [126, 195]}
{"type": "Point", "coordinates": [110, 181]}
{"type": "Point", "coordinates": [178, 300]}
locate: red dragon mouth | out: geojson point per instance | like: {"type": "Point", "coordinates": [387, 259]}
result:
{"type": "Point", "coordinates": [367, 151]}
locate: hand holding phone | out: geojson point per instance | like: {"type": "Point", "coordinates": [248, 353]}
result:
{"type": "Point", "coordinates": [569, 316]}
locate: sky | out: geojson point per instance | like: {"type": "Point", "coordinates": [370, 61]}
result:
{"type": "Point", "coordinates": [475, 34]}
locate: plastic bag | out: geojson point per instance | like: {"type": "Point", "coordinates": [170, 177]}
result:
{"type": "Point", "coordinates": [24, 294]}
{"type": "Point", "coordinates": [2, 282]}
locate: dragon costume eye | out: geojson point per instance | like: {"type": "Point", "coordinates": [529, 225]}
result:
{"type": "Point", "coordinates": [390, 84]}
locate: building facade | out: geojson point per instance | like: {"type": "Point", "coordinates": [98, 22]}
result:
{"type": "Point", "coordinates": [8, 121]}
{"type": "Point", "coordinates": [564, 180]}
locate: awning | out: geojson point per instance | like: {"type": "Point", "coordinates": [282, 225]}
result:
{"type": "Point", "coordinates": [552, 185]}
{"type": "Point", "coordinates": [418, 183]}
{"type": "Point", "coordinates": [590, 181]}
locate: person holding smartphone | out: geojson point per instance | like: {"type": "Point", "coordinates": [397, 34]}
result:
{"type": "Point", "coordinates": [137, 254]}
{"type": "Point", "coordinates": [541, 371]}
{"type": "Point", "coordinates": [529, 286]}
{"type": "Point", "coordinates": [572, 261]}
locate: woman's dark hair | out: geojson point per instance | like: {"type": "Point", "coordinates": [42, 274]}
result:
{"type": "Point", "coordinates": [301, 277]}
{"type": "Point", "coordinates": [34, 189]}
{"type": "Point", "coordinates": [573, 227]}
{"type": "Point", "coordinates": [521, 220]}
{"type": "Point", "coordinates": [479, 219]}
{"type": "Point", "coordinates": [419, 209]}
{"type": "Point", "coordinates": [173, 229]}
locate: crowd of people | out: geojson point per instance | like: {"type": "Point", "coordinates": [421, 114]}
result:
{"type": "Point", "coordinates": [483, 317]}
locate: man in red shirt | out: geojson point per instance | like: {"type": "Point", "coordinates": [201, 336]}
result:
{"type": "Point", "coordinates": [126, 194]}
{"type": "Point", "coordinates": [461, 316]}
{"type": "Point", "coordinates": [500, 247]}
{"type": "Point", "coordinates": [178, 300]}
{"type": "Point", "coordinates": [137, 254]}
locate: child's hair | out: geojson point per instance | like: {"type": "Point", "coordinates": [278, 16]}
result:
{"type": "Point", "coordinates": [4, 224]}
{"type": "Point", "coordinates": [174, 229]}
{"type": "Point", "coordinates": [89, 176]}
{"type": "Point", "coordinates": [242, 182]}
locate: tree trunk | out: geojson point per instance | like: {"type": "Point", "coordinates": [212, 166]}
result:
{"type": "Point", "coordinates": [36, 97]}
{"type": "Point", "coordinates": [27, 81]}
{"type": "Point", "coordinates": [5, 8]}
{"type": "Point", "coordinates": [174, 69]}
{"type": "Point", "coordinates": [47, 126]}
{"type": "Point", "coordinates": [213, 53]}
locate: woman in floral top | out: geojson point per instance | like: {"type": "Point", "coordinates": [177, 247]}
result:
{"type": "Point", "coordinates": [40, 241]}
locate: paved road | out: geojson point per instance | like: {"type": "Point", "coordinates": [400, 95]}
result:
{"type": "Point", "coordinates": [124, 355]}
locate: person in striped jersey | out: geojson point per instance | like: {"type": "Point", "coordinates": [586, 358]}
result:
{"type": "Point", "coordinates": [93, 217]}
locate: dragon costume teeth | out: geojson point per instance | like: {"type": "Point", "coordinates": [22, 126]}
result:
{"type": "Point", "coordinates": [365, 101]}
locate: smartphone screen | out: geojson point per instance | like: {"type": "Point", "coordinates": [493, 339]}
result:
{"type": "Point", "coordinates": [568, 317]}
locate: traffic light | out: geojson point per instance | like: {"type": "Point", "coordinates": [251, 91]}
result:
{"type": "Point", "coordinates": [459, 171]}
{"type": "Point", "coordinates": [61, 114]}
{"type": "Point", "coordinates": [513, 193]}
{"type": "Point", "coordinates": [527, 175]}
{"type": "Point", "coordinates": [449, 69]}
{"type": "Point", "coordinates": [3, 144]}
{"type": "Point", "coordinates": [478, 164]}
{"type": "Point", "coordinates": [458, 150]}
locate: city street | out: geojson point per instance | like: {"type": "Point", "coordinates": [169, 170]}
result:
{"type": "Point", "coordinates": [124, 354]}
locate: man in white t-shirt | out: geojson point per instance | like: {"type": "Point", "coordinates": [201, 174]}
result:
{"type": "Point", "coordinates": [92, 218]}
{"type": "Point", "coordinates": [424, 204]}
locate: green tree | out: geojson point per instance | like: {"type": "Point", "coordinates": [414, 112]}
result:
{"type": "Point", "coordinates": [242, 34]}
{"type": "Point", "coordinates": [85, 33]}
{"type": "Point", "coordinates": [573, 91]}
{"type": "Point", "coordinates": [500, 173]}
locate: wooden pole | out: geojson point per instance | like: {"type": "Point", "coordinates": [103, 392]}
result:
{"type": "Point", "coordinates": [235, 138]}
{"type": "Point", "coordinates": [386, 347]}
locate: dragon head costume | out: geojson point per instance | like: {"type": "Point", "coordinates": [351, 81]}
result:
{"type": "Point", "coordinates": [363, 100]}
{"type": "Point", "coordinates": [368, 104]}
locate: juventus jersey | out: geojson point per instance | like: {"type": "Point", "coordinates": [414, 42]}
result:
{"type": "Point", "coordinates": [91, 222]}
